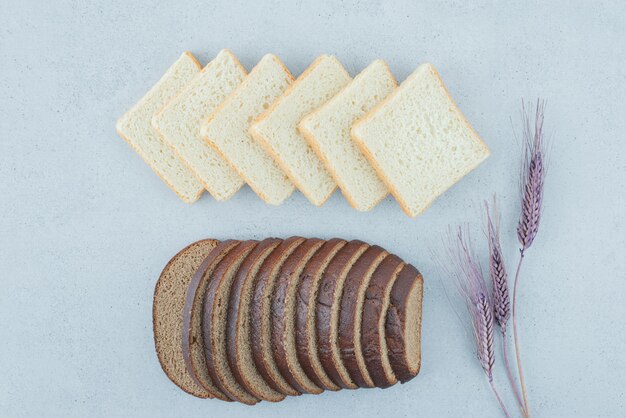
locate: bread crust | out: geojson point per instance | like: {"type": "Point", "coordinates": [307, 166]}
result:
{"type": "Point", "coordinates": [260, 329]}
{"type": "Point", "coordinates": [409, 280]}
{"type": "Point", "coordinates": [191, 315]}
{"type": "Point", "coordinates": [330, 288]}
{"type": "Point", "coordinates": [198, 391]}
{"type": "Point", "coordinates": [287, 281]}
{"type": "Point", "coordinates": [373, 343]}
{"type": "Point", "coordinates": [244, 278]}
{"type": "Point", "coordinates": [306, 296]}
{"type": "Point", "coordinates": [352, 301]}
{"type": "Point", "coordinates": [210, 320]}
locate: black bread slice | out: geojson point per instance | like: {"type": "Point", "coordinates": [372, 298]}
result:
{"type": "Point", "coordinates": [306, 299]}
{"type": "Point", "coordinates": [167, 313]}
{"type": "Point", "coordinates": [403, 324]}
{"type": "Point", "coordinates": [283, 317]}
{"type": "Point", "coordinates": [192, 342]}
{"type": "Point", "coordinates": [214, 324]}
{"type": "Point", "coordinates": [327, 312]}
{"type": "Point", "coordinates": [238, 344]}
{"type": "Point", "coordinates": [373, 343]}
{"type": "Point", "coordinates": [260, 316]}
{"type": "Point", "coordinates": [350, 313]}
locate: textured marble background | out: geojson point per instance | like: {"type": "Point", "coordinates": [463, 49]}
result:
{"type": "Point", "coordinates": [86, 227]}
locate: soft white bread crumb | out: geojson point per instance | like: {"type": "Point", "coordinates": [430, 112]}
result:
{"type": "Point", "coordinates": [227, 130]}
{"type": "Point", "coordinates": [418, 141]}
{"type": "Point", "coordinates": [134, 126]}
{"type": "Point", "coordinates": [277, 128]}
{"type": "Point", "coordinates": [180, 121]}
{"type": "Point", "coordinates": [328, 131]}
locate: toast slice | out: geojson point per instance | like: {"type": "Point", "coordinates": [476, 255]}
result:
{"type": "Point", "coordinates": [214, 324]}
{"type": "Point", "coordinates": [306, 335]}
{"type": "Point", "coordinates": [277, 128]}
{"type": "Point", "coordinates": [260, 310]}
{"type": "Point", "coordinates": [327, 312]}
{"type": "Point", "coordinates": [283, 317]}
{"type": "Point", "coordinates": [350, 314]}
{"type": "Point", "coordinates": [327, 130]}
{"type": "Point", "coordinates": [179, 123]}
{"type": "Point", "coordinates": [403, 324]}
{"type": "Point", "coordinates": [135, 128]}
{"type": "Point", "coordinates": [373, 342]}
{"type": "Point", "coordinates": [418, 141]}
{"type": "Point", "coordinates": [238, 345]}
{"type": "Point", "coordinates": [226, 130]}
{"type": "Point", "coordinates": [167, 314]}
{"type": "Point", "coordinates": [192, 341]}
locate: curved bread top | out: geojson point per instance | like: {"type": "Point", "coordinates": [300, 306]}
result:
{"type": "Point", "coordinates": [192, 342]}
{"type": "Point", "coordinates": [306, 297]}
{"type": "Point", "coordinates": [349, 331]}
{"type": "Point", "coordinates": [327, 309]}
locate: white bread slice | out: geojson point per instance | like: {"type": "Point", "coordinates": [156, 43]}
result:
{"type": "Point", "coordinates": [226, 130]}
{"type": "Point", "coordinates": [134, 127]}
{"type": "Point", "coordinates": [418, 141]}
{"type": "Point", "coordinates": [277, 128]}
{"type": "Point", "coordinates": [179, 123]}
{"type": "Point", "coordinates": [328, 131]}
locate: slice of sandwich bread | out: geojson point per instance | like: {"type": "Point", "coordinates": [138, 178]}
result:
{"type": "Point", "coordinates": [277, 128]}
{"type": "Point", "coordinates": [135, 127]}
{"type": "Point", "coordinates": [180, 121]}
{"type": "Point", "coordinates": [226, 130]}
{"type": "Point", "coordinates": [418, 141]}
{"type": "Point", "coordinates": [327, 130]}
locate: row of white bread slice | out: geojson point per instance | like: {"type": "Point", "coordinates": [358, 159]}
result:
{"type": "Point", "coordinates": [217, 127]}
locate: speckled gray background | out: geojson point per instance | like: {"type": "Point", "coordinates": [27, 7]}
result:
{"type": "Point", "coordinates": [86, 227]}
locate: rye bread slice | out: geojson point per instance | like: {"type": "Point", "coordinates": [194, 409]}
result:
{"type": "Point", "coordinates": [283, 317]}
{"type": "Point", "coordinates": [306, 297]}
{"type": "Point", "coordinates": [167, 313]}
{"type": "Point", "coordinates": [350, 313]}
{"type": "Point", "coordinates": [192, 341]}
{"type": "Point", "coordinates": [403, 324]}
{"type": "Point", "coordinates": [327, 312]}
{"type": "Point", "coordinates": [260, 316]}
{"type": "Point", "coordinates": [238, 345]}
{"type": "Point", "coordinates": [373, 343]}
{"type": "Point", "coordinates": [214, 317]}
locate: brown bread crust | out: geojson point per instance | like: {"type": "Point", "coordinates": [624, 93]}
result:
{"type": "Point", "coordinates": [396, 326]}
{"type": "Point", "coordinates": [160, 336]}
{"type": "Point", "coordinates": [374, 315]}
{"type": "Point", "coordinates": [288, 278]}
{"type": "Point", "coordinates": [244, 278]}
{"type": "Point", "coordinates": [306, 297]}
{"type": "Point", "coordinates": [260, 330]}
{"type": "Point", "coordinates": [330, 288]}
{"type": "Point", "coordinates": [352, 300]}
{"type": "Point", "coordinates": [209, 321]}
{"type": "Point", "coordinates": [192, 310]}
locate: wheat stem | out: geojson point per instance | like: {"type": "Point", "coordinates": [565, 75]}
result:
{"type": "Point", "coordinates": [509, 374]}
{"type": "Point", "coordinates": [517, 351]}
{"type": "Point", "coordinates": [495, 392]}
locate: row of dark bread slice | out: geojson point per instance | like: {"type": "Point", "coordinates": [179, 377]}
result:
{"type": "Point", "coordinates": [259, 320]}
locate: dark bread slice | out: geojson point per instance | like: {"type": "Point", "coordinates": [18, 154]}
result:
{"type": "Point", "coordinates": [214, 317]}
{"type": "Point", "coordinates": [167, 314]}
{"type": "Point", "coordinates": [327, 312]}
{"type": "Point", "coordinates": [403, 324]}
{"type": "Point", "coordinates": [238, 344]}
{"type": "Point", "coordinates": [283, 317]}
{"type": "Point", "coordinates": [349, 335]}
{"type": "Point", "coordinates": [260, 316]}
{"type": "Point", "coordinates": [373, 343]}
{"type": "Point", "coordinates": [192, 341]}
{"type": "Point", "coordinates": [306, 297]}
